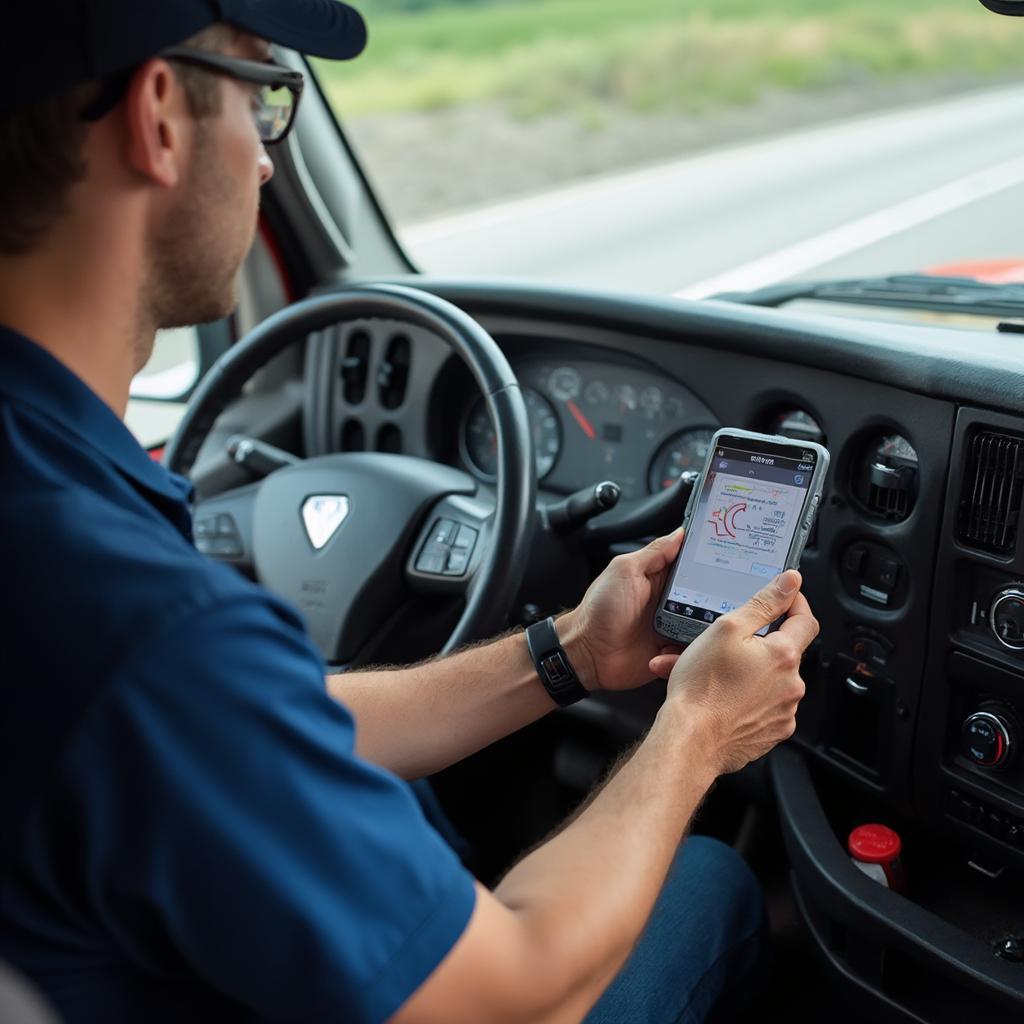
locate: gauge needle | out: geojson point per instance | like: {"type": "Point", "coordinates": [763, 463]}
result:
{"type": "Point", "coordinates": [585, 425]}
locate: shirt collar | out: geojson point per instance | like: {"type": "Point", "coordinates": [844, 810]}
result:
{"type": "Point", "coordinates": [29, 375]}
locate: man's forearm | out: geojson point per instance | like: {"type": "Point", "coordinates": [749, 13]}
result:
{"type": "Point", "coordinates": [566, 917]}
{"type": "Point", "coordinates": [588, 892]}
{"type": "Point", "coordinates": [416, 721]}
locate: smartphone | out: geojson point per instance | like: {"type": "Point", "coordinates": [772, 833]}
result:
{"type": "Point", "coordinates": [747, 520]}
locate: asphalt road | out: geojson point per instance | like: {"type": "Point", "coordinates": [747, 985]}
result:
{"type": "Point", "coordinates": [898, 191]}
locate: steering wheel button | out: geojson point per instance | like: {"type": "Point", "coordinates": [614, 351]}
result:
{"type": "Point", "coordinates": [465, 539]}
{"type": "Point", "coordinates": [219, 547]}
{"type": "Point", "coordinates": [431, 563]}
{"type": "Point", "coordinates": [203, 528]}
{"type": "Point", "coordinates": [458, 562]}
{"type": "Point", "coordinates": [443, 531]}
{"type": "Point", "coordinates": [226, 526]}
{"type": "Point", "coordinates": [434, 549]}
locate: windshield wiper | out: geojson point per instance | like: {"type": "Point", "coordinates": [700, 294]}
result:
{"type": "Point", "coordinates": [903, 291]}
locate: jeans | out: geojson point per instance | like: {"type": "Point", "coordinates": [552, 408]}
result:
{"type": "Point", "coordinates": [704, 943]}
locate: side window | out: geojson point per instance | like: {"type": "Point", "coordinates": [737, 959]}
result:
{"type": "Point", "coordinates": [159, 390]}
{"type": "Point", "coordinates": [172, 369]}
{"type": "Point", "coordinates": [182, 356]}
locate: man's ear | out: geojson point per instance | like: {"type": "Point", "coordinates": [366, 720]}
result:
{"type": "Point", "coordinates": [159, 124]}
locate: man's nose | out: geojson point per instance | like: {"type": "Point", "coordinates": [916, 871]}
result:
{"type": "Point", "coordinates": [266, 166]}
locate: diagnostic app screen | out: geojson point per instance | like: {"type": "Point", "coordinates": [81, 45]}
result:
{"type": "Point", "coordinates": [747, 513]}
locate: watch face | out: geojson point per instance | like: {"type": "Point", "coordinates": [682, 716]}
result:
{"type": "Point", "coordinates": [553, 665]}
{"type": "Point", "coordinates": [556, 668]}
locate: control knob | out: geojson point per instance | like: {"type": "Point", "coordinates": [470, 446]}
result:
{"type": "Point", "coordinates": [1006, 617]}
{"type": "Point", "coordinates": [989, 736]}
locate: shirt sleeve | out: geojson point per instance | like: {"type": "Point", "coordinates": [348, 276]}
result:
{"type": "Point", "coordinates": [230, 830]}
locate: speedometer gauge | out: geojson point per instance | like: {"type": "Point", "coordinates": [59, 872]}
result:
{"type": "Point", "coordinates": [479, 441]}
{"type": "Point", "coordinates": [681, 453]}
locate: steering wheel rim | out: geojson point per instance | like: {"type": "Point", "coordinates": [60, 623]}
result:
{"type": "Point", "coordinates": [500, 573]}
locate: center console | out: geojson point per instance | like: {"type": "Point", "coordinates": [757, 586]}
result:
{"type": "Point", "coordinates": [968, 771]}
{"type": "Point", "coordinates": [915, 718]}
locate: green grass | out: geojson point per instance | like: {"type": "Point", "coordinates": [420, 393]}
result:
{"type": "Point", "coordinates": [543, 56]}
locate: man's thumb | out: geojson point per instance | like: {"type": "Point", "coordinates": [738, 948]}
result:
{"type": "Point", "coordinates": [769, 602]}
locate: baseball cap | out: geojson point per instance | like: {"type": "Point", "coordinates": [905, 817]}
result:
{"type": "Point", "coordinates": [1004, 6]}
{"type": "Point", "coordinates": [47, 48]}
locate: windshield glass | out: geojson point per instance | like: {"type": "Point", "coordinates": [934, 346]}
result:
{"type": "Point", "coordinates": [692, 147]}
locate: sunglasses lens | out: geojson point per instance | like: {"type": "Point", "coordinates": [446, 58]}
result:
{"type": "Point", "coordinates": [274, 111]}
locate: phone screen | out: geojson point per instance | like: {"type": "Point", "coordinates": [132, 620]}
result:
{"type": "Point", "coordinates": [747, 512]}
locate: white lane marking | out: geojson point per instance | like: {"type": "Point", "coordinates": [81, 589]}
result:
{"type": "Point", "coordinates": [859, 234]}
{"type": "Point", "coordinates": [603, 188]}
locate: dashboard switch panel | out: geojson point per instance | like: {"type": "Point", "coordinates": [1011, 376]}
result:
{"type": "Point", "coordinates": [873, 574]}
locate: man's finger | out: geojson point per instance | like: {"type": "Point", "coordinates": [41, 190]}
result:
{"type": "Point", "coordinates": [769, 603]}
{"type": "Point", "coordinates": [661, 665]}
{"type": "Point", "coordinates": [801, 626]}
{"type": "Point", "coordinates": [660, 553]}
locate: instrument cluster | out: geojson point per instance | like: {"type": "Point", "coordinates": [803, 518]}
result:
{"type": "Point", "coordinates": [593, 421]}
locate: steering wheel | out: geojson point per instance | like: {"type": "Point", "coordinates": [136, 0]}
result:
{"type": "Point", "coordinates": [349, 538]}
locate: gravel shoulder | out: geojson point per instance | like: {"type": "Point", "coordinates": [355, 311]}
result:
{"type": "Point", "coordinates": [425, 165]}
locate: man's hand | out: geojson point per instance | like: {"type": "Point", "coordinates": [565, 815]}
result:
{"type": "Point", "coordinates": [744, 689]}
{"type": "Point", "coordinates": [610, 636]}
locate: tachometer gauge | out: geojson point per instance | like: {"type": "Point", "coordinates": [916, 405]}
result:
{"type": "Point", "coordinates": [564, 383]}
{"type": "Point", "coordinates": [651, 401]}
{"type": "Point", "coordinates": [479, 441]}
{"type": "Point", "coordinates": [625, 397]}
{"type": "Point", "coordinates": [681, 453]}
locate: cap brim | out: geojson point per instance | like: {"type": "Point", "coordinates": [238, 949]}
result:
{"type": "Point", "coordinates": [320, 28]}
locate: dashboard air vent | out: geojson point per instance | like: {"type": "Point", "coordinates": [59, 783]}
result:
{"type": "Point", "coordinates": [991, 496]}
{"type": "Point", "coordinates": [887, 482]}
{"type": "Point", "coordinates": [887, 496]}
{"type": "Point", "coordinates": [355, 367]}
{"type": "Point", "coordinates": [389, 439]}
{"type": "Point", "coordinates": [353, 436]}
{"type": "Point", "coordinates": [393, 374]}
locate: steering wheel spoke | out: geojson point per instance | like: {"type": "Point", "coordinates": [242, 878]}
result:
{"type": "Point", "coordinates": [222, 527]}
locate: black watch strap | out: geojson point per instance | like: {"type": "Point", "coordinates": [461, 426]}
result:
{"type": "Point", "coordinates": [553, 665]}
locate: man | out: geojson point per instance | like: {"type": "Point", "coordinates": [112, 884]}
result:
{"type": "Point", "coordinates": [195, 827]}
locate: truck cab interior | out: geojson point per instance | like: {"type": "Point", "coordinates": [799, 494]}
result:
{"type": "Point", "coordinates": [481, 416]}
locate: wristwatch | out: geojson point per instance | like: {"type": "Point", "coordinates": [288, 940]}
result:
{"type": "Point", "coordinates": [553, 665]}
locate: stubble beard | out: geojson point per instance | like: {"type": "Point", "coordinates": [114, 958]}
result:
{"type": "Point", "coordinates": [197, 254]}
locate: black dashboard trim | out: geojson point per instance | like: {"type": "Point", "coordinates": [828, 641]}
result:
{"type": "Point", "coordinates": [843, 894]}
{"type": "Point", "coordinates": [982, 367]}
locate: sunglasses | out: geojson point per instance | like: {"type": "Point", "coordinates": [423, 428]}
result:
{"type": "Point", "coordinates": [275, 103]}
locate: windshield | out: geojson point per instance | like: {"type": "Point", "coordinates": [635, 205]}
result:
{"type": "Point", "coordinates": [692, 147]}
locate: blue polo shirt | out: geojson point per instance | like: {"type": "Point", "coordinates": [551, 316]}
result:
{"type": "Point", "coordinates": [187, 833]}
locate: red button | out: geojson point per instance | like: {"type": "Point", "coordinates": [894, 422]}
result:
{"type": "Point", "coordinates": [874, 844]}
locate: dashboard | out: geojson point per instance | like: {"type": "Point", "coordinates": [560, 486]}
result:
{"type": "Point", "coordinates": [593, 420]}
{"type": "Point", "coordinates": [915, 705]}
